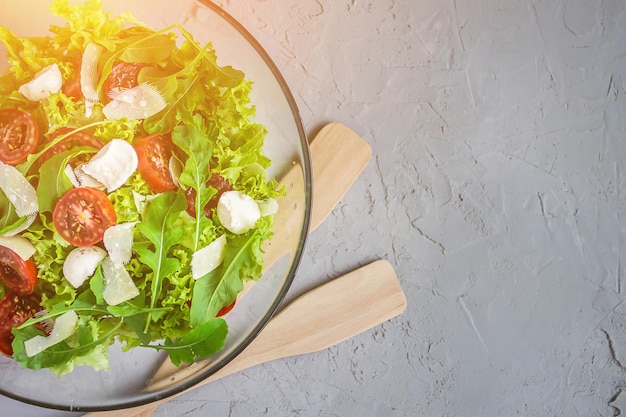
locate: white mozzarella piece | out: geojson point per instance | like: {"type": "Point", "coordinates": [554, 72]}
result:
{"type": "Point", "coordinates": [237, 211]}
{"type": "Point", "coordinates": [47, 81]}
{"type": "Point", "coordinates": [81, 263]}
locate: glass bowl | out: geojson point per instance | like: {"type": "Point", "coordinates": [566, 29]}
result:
{"type": "Point", "coordinates": [127, 382]}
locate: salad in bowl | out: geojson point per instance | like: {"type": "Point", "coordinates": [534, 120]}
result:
{"type": "Point", "coordinates": [135, 198]}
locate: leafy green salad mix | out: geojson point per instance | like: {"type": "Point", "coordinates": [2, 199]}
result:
{"type": "Point", "coordinates": [134, 197]}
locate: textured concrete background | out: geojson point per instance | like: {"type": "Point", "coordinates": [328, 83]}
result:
{"type": "Point", "coordinates": [497, 190]}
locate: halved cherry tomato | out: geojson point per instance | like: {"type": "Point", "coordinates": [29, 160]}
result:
{"type": "Point", "coordinates": [224, 310]}
{"type": "Point", "coordinates": [15, 310]}
{"type": "Point", "coordinates": [216, 181]}
{"type": "Point", "coordinates": [122, 75]}
{"type": "Point", "coordinates": [19, 136]}
{"type": "Point", "coordinates": [16, 274]}
{"type": "Point", "coordinates": [82, 215]}
{"type": "Point", "coordinates": [77, 138]}
{"type": "Point", "coordinates": [71, 87]}
{"type": "Point", "coordinates": [154, 153]}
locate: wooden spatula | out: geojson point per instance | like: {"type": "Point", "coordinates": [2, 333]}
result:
{"type": "Point", "coordinates": [322, 317]}
{"type": "Point", "coordinates": [338, 156]}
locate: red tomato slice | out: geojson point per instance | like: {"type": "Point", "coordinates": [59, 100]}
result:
{"type": "Point", "coordinates": [82, 215]}
{"type": "Point", "coordinates": [19, 136]}
{"type": "Point", "coordinates": [223, 311]}
{"type": "Point", "coordinates": [15, 310]}
{"type": "Point", "coordinates": [77, 138]}
{"type": "Point", "coordinates": [16, 274]}
{"type": "Point", "coordinates": [122, 75]}
{"type": "Point", "coordinates": [71, 87]}
{"type": "Point", "coordinates": [216, 181]}
{"type": "Point", "coordinates": [154, 153]}
{"type": "Point", "coordinates": [226, 309]}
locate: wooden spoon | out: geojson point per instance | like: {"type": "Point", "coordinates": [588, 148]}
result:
{"type": "Point", "coordinates": [338, 157]}
{"type": "Point", "coordinates": [319, 319]}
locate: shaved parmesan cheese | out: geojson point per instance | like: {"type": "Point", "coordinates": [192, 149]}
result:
{"type": "Point", "coordinates": [47, 81]}
{"type": "Point", "coordinates": [176, 169]}
{"type": "Point", "coordinates": [208, 258]}
{"type": "Point", "coordinates": [81, 263]}
{"type": "Point", "coordinates": [19, 245]}
{"type": "Point", "coordinates": [268, 207]}
{"type": "Point", "coordinates": [138, 102]}
{"type": "Point", "coordinates": [112, 165]}
{"type": "Point", "coordinates": [237, 211]}
{"type": "Point", "coordinates": [83, 179]}
{"type": "Point", "coordinates": [118, 285]}
{"type": "Point", "coordinates": [118, 240]}
{"type": "Point", "coordinates": [89, 75]}
{"type": "Point", "coordinates": [18, 190]}
{"type": "Point", "coordinates": [64, 326]}
{"type": "Point", "coordinates": [69, 171]}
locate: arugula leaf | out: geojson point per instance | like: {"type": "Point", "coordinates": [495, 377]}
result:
{"type": "Point", "coordinates": [96, 284]}
{"type": "Point", "coordinates": [187, 90]}
{"type": "Point", "coordinates": [148, 49]}
{"type": "Point", "coordinates": [177, 90]}
{"type": "Point", "coordinates": [23, 54]}
{"type": "Point", "coordinates": [87, 22]}
{"type": "Point", "coordinates": [194, 139]}
{"type": "Point", "coordinates": [243, 260]}
{"type": "Point", "coordinates": [159, 228]}
{"type": "Point", "coordinates": [8, 217]}
{"type": "Point", "coordinates": [131, 46]}
{"type": "Point", "coordinates": [202, 341]}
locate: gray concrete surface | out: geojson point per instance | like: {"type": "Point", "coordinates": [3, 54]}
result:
{"type": "Point", "coordinates": [497, 190]}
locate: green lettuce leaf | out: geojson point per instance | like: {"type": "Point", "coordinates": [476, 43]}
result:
{"type": "Point", "coordinates": [49, 257]}
{"type": "Point", "coordinates": [87, 22]}
{"type": "Point", "coordinates": [153, 49]}
{"type": "Point", "coordinates": [211, 118]}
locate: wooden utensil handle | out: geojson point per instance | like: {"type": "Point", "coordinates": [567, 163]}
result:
{"type": "Point", "coordinates": [325, 316]}
{"type": "Point", "coordinates": [322, 317]}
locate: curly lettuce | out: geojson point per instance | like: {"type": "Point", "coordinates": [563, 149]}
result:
{"type": "Point", "coordinates": [210, 117]}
